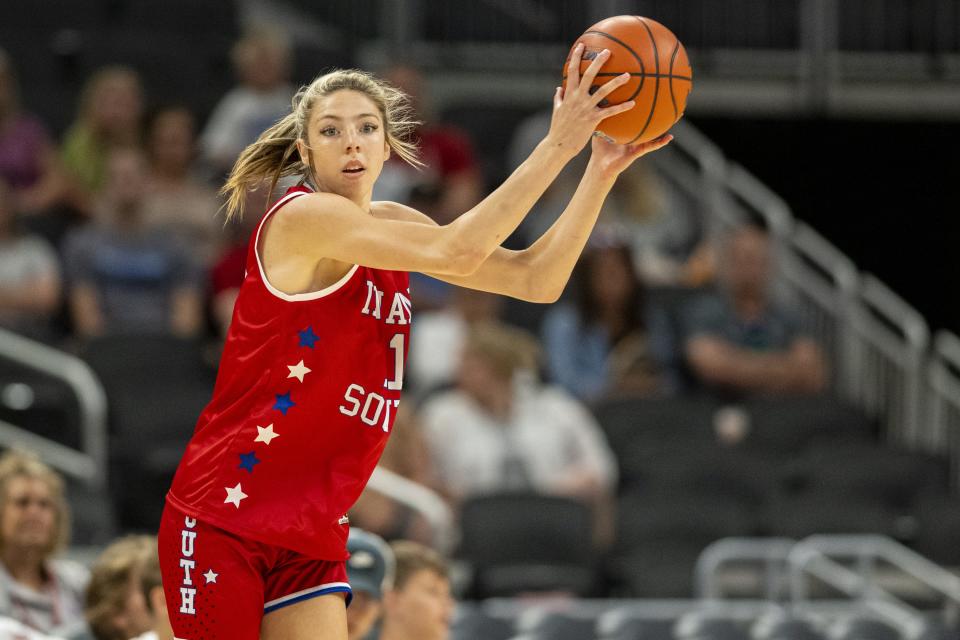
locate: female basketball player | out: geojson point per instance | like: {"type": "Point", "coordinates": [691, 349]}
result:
{"type": "Point", "coordinates": [253, 539]}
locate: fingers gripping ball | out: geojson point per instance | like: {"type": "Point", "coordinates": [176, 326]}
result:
{"type": "Point", "coordinates": [660, 75]}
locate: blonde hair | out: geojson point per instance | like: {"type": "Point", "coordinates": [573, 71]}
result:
{"type": "Point", "coordinates": [412, 557]}
{"type": "Point", "coordinates": [274, 154]}
{"type": "Point", "coordinates": [22, 464]}
{"type": "Point", "coordinates": [132, 558]}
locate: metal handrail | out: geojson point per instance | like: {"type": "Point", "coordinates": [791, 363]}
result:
{"type": "Point", "coordinates": [806, 560]}
{"type": "Point", "coordinates": [421, 499]}
{"type": "Point", "coordinates": [893, 328]}
{"type": "Point", "coordinates": [868, 549]}
{"type": "Point", "coordinates": [772, 552]}
{"type": "Point", "coordinates": [776, 213]}
{"type": "Point", "coordinates": [90, 463]}
{"type": "Point", "coordinates": [944, 389]}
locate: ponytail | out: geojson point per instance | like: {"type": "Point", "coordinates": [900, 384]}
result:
{"type": "Point", "coordinates": [273, 155]}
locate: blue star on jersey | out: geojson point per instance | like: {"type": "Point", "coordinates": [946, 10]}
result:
{"type": "Point", "coordinates": [308, 338]}
{"type": "Point", "coordinates": [248, 460]}
{"type": "Point", "coordinates": [284, 402]}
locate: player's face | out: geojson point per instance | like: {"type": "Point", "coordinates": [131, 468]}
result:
{"type": "Point", "coordinates": [362, 613]}
{"type": "Point", "coordinates": [29, 516]}
{"type": "Point", "coordinates": [347, 144]}
{"type": "Point", "coordinates": [423, 607]}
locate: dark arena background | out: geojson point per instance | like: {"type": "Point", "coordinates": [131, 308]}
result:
{"type": "Point", "coordinates": [740, 419]}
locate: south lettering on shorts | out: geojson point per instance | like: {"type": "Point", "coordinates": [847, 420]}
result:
{"type": "Point", "coordinates": [188, 563]}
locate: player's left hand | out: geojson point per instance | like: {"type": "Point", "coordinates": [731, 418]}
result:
{"type": "Point", "coordinates": [612, 159]}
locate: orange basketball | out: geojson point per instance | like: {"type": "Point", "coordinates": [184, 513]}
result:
{"type": "Point", "coordinates": [661, 77]}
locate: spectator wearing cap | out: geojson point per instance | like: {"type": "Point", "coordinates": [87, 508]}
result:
{"type": "Point", "coordinates": [370, 570]}
{"type": "Point", "coordinates": [419, 605]}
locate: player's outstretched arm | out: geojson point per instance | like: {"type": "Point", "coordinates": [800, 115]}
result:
{"type": "Point", "coordinates": [553, 256]}
{"type": "Point", "coordinates": [326, 226]}
{"type": "Point", "coordinates": [540, 273]}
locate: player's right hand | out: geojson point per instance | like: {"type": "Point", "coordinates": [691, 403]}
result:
{"type": "Point", "coordinates": [576, 111]}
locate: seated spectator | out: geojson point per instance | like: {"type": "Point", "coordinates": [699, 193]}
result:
{"type": "Point", "coordinates": [123, 276]}
{"type": "Point", "coordinates": [261, 60]}
{"type": "Point", "coordinates": [110, 113]}
{"type": "Point", "coordinates": [29, 276]}
{"type": "Point", "coordinates": [28, 157]}
{"type": "Point", "coordinates": [437, 338]}
{"type": "Point", "coordinates": [177, 201]}
{"type": "Point", "coordinates": [407, 455]}
{"type": "Point", "coordinates": [500, 430]}
{"type": "Point", "coordinates": [740, 340]}
{"type": "Point", "coordinates": [370, 570]}
{"type": "Point", "coordinates": [419, 605]}
{"type": "Point", "coordinates": [35, 589]}
{"type": "Point", "coordinates": [125, 598]}
{"type": "Point", "coordinates": [451, 169]}
{"type": "Point", "coordinates": [598, 344]}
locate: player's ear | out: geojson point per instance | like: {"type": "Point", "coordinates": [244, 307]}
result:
{"type": "Point", "coordinates": [386, 150]}
{"type": "Point", "coordinates": [302, 150]}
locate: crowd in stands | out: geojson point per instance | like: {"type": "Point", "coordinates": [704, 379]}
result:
{"type": "Point", "coordinates": [113, 230]}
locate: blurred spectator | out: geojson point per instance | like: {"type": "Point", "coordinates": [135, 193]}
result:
{"type": "Point", "coordinates": [370, 570]}
{"type": "Point", "coordinates": [667, 242]}
{"type": "Point", "coordinates": [36, 590]}
{"type": "Point", "coordinates": [177, 201]}
{"type": "Point", "coordinates": [419, 606]}
{"type": "Point", "coordinates": [261, 60]}
{"type": "Point", "coordinates": [125, 598]}
{"type": "Point", "coordinates": [29, 276]}
{"type": "Point", "coordinates": [125, 277]}
{"type": "Point", "coordinates": [740, 340]}
{"type": "Point", "coordinates": [407, 455]}
{"type": "Point", "coordinates": [28, 157]}
{"type": "Point", "coordinates": [500, 430]}
{"type": "Point", "coordinates": [438, 336]}
{"type": "Point", "coordinates": [110, 113]}
{"type": "Point", "coordinates": [599, 344]}
{"type": "Point", "coordinates": [451, 168]}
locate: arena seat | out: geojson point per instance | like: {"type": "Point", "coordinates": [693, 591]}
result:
{"type": "Point", "coordinates": [471, 623]}
{"type": "Point", "coordinates": [552, 625]}
{"type": "Point", "coordinates": [698, 625]}
{"type": "Point", "coordinates": [624, 624]}
{"type": "Point", "coordinates": [781, 627]}
{"type": "Point", "coordinates": [156, 388]}
{"type": "Point", "coordinates": [855, 628]}
{"type": "Point", "coordinates": [528, 542]}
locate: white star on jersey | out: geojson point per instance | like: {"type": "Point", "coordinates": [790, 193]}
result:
{"type": "Point", "coordinates": [210, 576]}
{"type": "Point", "coordinates": [266, 434]}
{"type": "Point", "coordinates": [298, 371]}
{"type": "Point", "coordinates": [235, 495]}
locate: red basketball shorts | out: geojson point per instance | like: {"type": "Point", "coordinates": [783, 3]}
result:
{"type": "Point", "coordinates": [218, 585]}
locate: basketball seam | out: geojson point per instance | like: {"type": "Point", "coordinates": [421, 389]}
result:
{"type": "Point", "coordinates": [648, 75]}
{"type": "Point", "coordinates": [656, 87]}
{"type": "Point", "coordinates": [673, 99]}
{"type": "Point", "coordinates": [643, 68]}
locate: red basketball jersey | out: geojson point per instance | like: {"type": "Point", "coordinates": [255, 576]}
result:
{"type": "Point", "coordinates": [305, 398]}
